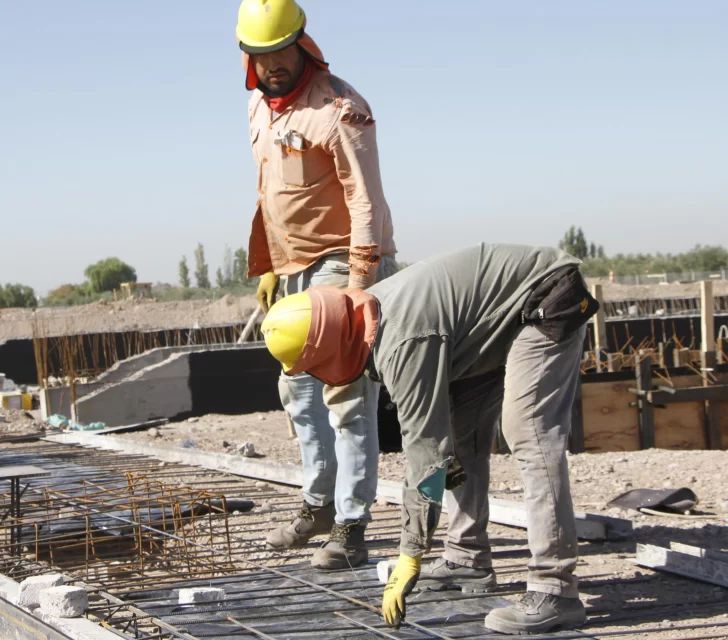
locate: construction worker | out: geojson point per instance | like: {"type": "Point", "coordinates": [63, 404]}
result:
{"type": "Point", "coordinates": [438, 335]}
{"type": "Point", "coordinates": [321, 219]}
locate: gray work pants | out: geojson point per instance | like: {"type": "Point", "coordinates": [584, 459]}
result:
{"type": "Point", "coordinates": [536, 399]}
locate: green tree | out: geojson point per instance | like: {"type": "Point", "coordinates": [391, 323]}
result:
{"type": "Point", "coordinates": [17, 295]}
{"type": "Point", "coordinates": [574, 243]}
{"type": "Point", "coordinates": [107, 275]}
{"type": "Point", "coordinates": [240, 267]}
{"type": "Point", "coordinates": [201, 270]}
{"type": "Point", "coordinates": [184, 273]}
{"type": "Point", "coordinates": [228, 267]}
{"type": "Point", "coordinates": [219, 279]}
{"type": "Point", "coordinates": [65, 294]}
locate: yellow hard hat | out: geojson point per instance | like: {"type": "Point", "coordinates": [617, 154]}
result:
{"type": "Point", "coordinates": [285, 328]}
{"type": "Point", "coordinates": [265, 26]}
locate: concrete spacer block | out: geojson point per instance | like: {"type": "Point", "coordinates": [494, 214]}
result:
{"type": "Point", "coordinates": [64, 602]}
{"type": "Point", "coordinates": [30, 588]}
{"type": "Point", "coordinates": [384, 570]}
{"type": "Point", "coordinates": [200, 594]}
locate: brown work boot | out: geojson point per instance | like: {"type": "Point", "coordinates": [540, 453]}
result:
{"type": "Point", "coordinates": [344, 549]}
{"type": "Point", "coordinates": [309, 522]}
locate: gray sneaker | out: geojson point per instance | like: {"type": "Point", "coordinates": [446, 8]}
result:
{"type": "Point", "coordinates": [537, 613]}
{"type": "Point", "coordinates": [442, 574]}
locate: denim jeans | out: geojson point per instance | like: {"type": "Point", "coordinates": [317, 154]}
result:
{"type": "Point", "coordinates": [339, 442]}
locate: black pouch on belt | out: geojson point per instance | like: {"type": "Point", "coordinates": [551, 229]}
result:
{"type": "Point", "coordinates": [560, 304]}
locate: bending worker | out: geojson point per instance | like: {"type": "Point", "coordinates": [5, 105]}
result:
{"type": "Point", "coordinates": [321, 219]}
{"type": "Point", "coordinates": [456, 320]}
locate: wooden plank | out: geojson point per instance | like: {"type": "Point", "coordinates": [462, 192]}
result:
{"type": "Point", "coordinates": [707, 322]}
{"type": "Point", "coordinates": [643, 372]}
{"type": "Point", "coordinates": [712, 406]}
{"type": "Point", "coordinates": [576, 435]}
{"type": "Point", "coordinates": [718, 393]}
{"type": "Point", "coordinates": [600, 322]}
{"type": "Point", "coordinates": [680, 427]}
{"type": "Point", "coordinates": [689, 566]}
{"type": "Point", "coordinates": [699, 552]}
{"type": "Point", "coordinates": [610, 423]}
{"type": "Point", "coordinates": [681, 357]}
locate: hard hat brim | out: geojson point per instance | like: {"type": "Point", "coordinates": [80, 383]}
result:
{"type": "Point", "coordinates": [258, 48]}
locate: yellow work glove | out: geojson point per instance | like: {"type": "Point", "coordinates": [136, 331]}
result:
{"type": "Point", "coordinates": [400, 585]}
{"type": "Point", "coordinates": [267, 290]}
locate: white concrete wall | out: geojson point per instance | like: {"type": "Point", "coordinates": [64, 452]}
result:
{"type": "Point", "coordinates": [158, 391]}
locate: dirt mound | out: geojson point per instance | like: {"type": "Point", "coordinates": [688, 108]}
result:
{"type": "Point", "coordinates": [125, 315]}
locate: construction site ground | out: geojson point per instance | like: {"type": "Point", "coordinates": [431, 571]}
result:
{"type": "Point", "coordinates": [148, 315]}
{"type": "Point", "coordinates": [620, 597]}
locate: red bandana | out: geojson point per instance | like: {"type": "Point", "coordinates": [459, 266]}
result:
{"type": "Point", "coordinates": [280, 104]}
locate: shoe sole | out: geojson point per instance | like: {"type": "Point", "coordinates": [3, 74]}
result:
{"type": "Point", "coordinates": [466, 585]}
{"type": "Point", "coordinates": [556, 624]}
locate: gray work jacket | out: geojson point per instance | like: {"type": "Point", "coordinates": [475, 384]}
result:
{"type": "Point", "coordinates": [444, 319]}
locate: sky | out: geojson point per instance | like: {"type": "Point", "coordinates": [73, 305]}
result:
{"type": "Point", "coordinates": [123, 126]}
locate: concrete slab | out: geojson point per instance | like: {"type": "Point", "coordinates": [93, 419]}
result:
{"type": "Point", "coordinates": [64, 602]}
{"type": "Point", "coordinates": [30, 589]}
{"type": "Point", "coordinates": [158, 391]}
{"type": "Point", "coordinates": [201, 594]}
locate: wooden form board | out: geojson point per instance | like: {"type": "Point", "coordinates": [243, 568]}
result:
{"type": "Point", "coordinates": [723, 377]}
{"type": "Point", "coordinates": [680, 425]}
{"type": "Point", "coordinates": [611, 424]}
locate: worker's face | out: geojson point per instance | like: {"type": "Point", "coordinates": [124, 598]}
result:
{"type": "Point", "coordinates": [280, 71]}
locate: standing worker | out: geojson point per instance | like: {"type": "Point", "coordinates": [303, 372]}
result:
{"type": "Point", "coordinates": [321, 219]}
{"type": "Point", "coordinates": [437, 335]}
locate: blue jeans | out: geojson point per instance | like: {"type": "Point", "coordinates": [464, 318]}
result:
{"type": "Point", "coordinates": [339, 442]}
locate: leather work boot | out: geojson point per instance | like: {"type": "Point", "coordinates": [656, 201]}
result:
{"type": "Point", "coordinates": [537, 613]}
{"type": "Point", "coordinates": [442, 574]}
{"type": "Point", "coordinates": [344, 549]}
{"type": "Point", "coordinates": [310, 521]}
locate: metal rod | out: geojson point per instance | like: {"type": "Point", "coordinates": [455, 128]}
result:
{"type": "Point", "coordinates": [252, 630]}
{"type": "Point", "coordinates": [379, 632]}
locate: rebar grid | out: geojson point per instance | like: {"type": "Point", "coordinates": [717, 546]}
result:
{"type": "Point", "coordinates": [280, 604]}
{"type": "Point", "coordinates": [93, 529]}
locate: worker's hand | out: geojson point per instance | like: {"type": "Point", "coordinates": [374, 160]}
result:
{"type": "Point", "coordinates": [267, 290]}
{"type": "Point", "coordinates": [400, 585]}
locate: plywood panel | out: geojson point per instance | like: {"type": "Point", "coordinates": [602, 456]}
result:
{"type": "Point", "coordinates": [680, 426]}
{"type": "Point", "coordinates": [610, 424]}
{"type": "Point", "coordinates": [723, 377]}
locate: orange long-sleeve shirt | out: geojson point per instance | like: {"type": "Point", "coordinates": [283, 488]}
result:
{"type": "Point", "coordinates": [319, 184]}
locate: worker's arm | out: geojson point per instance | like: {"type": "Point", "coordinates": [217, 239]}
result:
{"type": "Point", "coordinates": [259, 258]}
{"type": "Point", "coordinates": [417, 378]}
{"type": "Point", "coordinates": [353, 143]}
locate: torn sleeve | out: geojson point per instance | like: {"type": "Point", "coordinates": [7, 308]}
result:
{"type": "Point", "coordinates": [353, 144]}
{"type": "Point", "coordinates": [417, 378]}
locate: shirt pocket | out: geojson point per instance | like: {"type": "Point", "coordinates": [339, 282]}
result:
{"type": "Point", "coordinates": [293, 167]}
{"type": "Point", "coordinates": [302, 162]}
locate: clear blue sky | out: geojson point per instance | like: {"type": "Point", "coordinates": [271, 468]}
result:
{"type": "Point", "coordinates": [123, 125]}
